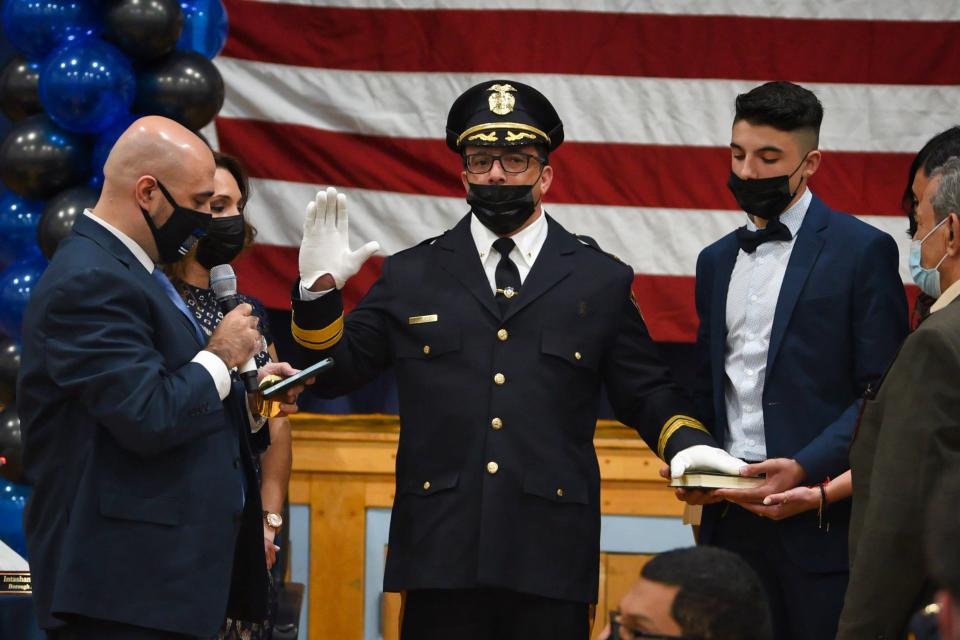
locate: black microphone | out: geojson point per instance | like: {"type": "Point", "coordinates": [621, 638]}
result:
{"type": "Point", "coordinates": [223, 281]}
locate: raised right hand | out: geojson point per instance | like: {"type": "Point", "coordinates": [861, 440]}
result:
{"type": "Point", "coordinates": [237, 338]}
{"type": "Point", "coordinates": [325, 248]}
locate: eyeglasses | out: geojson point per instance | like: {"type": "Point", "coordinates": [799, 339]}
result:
{"type": "Point", "coordinates": [620, 632]}
{"type": "Point", "coordinates": [515, 162]}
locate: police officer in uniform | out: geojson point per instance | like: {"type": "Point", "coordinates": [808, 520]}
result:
{"type": "Point", "coordinates": [501, 332]}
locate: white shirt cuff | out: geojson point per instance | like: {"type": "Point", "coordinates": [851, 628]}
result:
{"type": "Point", "coordinates": [306, 295]}
{"type": "Point", "coordinates": [217, 370]}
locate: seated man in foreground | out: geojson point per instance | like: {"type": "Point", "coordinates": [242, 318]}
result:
{"type": "Point", "coordinates": [698, 592]}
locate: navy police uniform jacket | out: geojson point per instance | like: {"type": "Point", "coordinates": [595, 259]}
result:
{"type": "Point", "coordinates": [497, 480]}
{"type": "Point", "coordinates": [136, 463]}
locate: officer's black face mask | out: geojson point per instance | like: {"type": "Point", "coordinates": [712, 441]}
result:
{"type": "Point", "coordinates": [222, 243]}
{"type": "Point", "coordinates": [502, 208]}
{"type": "Point", "coordinates": [764, 198]}
{"type": "Point", "coordinates": [180, 232]}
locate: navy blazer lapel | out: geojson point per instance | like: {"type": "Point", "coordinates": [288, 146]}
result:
{"type": "Point", "coordinates": [458, 257]}
{"type": "Point", "coordinates": [804, 256]}
{"type": "Point", "coordinates": [93, 230]}
{"type": "Point", "coordinates": [551, 266]}
{"type": "Point", "coordinates": [723, 270]}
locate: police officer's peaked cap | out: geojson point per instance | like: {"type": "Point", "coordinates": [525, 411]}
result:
{"type": "Point", "coordinates": [503, 113]}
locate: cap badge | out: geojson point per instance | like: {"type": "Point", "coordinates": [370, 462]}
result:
{"type": "Point", "coordinates": [501, 102]}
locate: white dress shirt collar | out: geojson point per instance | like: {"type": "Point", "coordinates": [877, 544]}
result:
{"type": "Point", "coordinates": [529, 241]}
{"type": "Point", "coordinates": [793, 216]}
{"type": "Point", "coordinates": [127, 241]}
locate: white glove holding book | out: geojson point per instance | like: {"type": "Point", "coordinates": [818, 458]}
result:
{"type": "Point", "coordinates": [702, 457]}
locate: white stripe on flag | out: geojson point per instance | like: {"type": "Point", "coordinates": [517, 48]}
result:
{"type": "Point", "coordinates": [930, 10]}
{"type": "Point", "coordinates": [883, 118]}
{"type": "Point", "coordinates": [653, 241]}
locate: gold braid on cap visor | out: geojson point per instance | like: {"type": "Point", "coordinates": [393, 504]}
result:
{"type": "Point", "coordinates": [502, 125]}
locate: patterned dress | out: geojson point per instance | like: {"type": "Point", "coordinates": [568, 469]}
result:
{"type": "Point", "coordinates": [203, 304]}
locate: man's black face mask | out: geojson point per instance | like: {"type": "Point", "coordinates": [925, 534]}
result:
{"type": "Point", "coordinates": [180, 232]}
{"type": "Point", "coordinates": [503, 208]}
{"type": "Point", "coordinates": [764, 198]}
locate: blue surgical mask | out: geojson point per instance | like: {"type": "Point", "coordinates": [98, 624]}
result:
{"type": "Point", "coordinates": [927, 279]}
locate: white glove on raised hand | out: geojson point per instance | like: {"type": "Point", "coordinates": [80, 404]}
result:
{"type": "Point", "coordinates": [325, 247]}
{"type": "Point", "coordinates": [705, 458]}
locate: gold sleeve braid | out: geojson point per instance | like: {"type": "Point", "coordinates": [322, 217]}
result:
{"type": "Point", "coordinates": [671, 426]}
{"type": "Point", "coordinates": [317, 339]}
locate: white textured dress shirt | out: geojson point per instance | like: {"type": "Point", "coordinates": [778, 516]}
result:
{"type": "Point", "coordinates": [212, 363]}
{"type": "Point", "coordinates": [751, 303]}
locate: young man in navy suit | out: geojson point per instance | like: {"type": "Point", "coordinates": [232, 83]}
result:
{"type": "Point", "coordinates": [800, 310]}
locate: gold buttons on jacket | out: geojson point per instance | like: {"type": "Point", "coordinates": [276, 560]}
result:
{"type": "Point", "coordinates": [426, 349]}
{"type": "Point", "coordinates": [577, 355]}
{"type": "Point", "coordinates": [426, 485]}
{"type": "Point", "coordinates": [559, 493]}
{"type": "Point", "coordinates": [502, 335]}
{"type": "Point", "coordinates": [499, 378]}
{"type": "Point", "coordinates": [492, 467]}
{"type": "Point", "coordinates": [497, 424]}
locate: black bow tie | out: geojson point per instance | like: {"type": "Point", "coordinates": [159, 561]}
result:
{"type": "Point", "coordinates": [750, 240]}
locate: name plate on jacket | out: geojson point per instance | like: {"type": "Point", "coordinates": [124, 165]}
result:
{"type": "Point", "coordinates": [423, 319]}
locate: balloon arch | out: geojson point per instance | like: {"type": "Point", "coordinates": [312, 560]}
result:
{"type": "Point", "coordinates": [83, 72]}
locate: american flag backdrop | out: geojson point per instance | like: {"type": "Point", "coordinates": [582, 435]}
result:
{"type": "Point", "coordinates": [354, 93]}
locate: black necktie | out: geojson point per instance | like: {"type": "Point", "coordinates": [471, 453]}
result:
{"type": "Point", "coordinates": [750, 240]}
{"type": "Point", "coordinates": [507, 274]}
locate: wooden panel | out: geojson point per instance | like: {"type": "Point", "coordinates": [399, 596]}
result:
{"type": "Point", "coordinates": [298, 491]}
{"type": "Point", "coordinates": [343, 465]}
{"type": "Point", "coordinates": [639, 499]}
{"type": "Point", "coordinates": [617, 572]}
{"type": "Point", "coordinates": [380, 493]}
{"type": "Point", "coordinates": [337, 534]}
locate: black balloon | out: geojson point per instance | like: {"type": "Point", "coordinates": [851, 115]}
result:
{"type": "Point", "coordinates": [19, 94]}
{"type": "Point", "coordinates": [38, 158]}
{"type": "Point", "coordinates": [59, 215]}
{"type": "Point", "coordinates": [184, 86]}
{"type": "Point", "coordinates": [9, 366]}
{"type": "Point", "coordinates": [9, 428]}
{"type": "Point", "coordinates": [11, 446]}
{"type": "Point", "coordinates": [143, 29]}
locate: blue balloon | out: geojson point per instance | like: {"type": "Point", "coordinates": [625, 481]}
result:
{"type": "Point", "coordinates": [16, 284]}
{"type": "Point", "coordinates": [13, 499]}
{"type": "Point", "coordinates": [105, 142]}
{"type": "Point", "coordinates": [19, 218]}
{"type": "Point", "coordinates": [205, 27]}
{"type": "Point", "coordinates": [37, 27]}
{"type": "Point", "coordinates": [87, 86]}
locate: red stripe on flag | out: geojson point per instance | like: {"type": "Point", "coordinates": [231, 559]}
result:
{"type": "Point", "coordinates": [660, 46]}
{"type": "Point", "coordinates": [267, 272]}
{"type": "Point", "coordinates": [586, 173]}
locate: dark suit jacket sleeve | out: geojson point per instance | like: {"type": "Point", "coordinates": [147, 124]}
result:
{"type": "Point", "coordinates": [358, 343]}
{"type": "Point", "coordinates": [642, 390]}
{"type": "Point", "coordinates": [879, 326]}
{"type": "Point", "coordinates": [99, 346]}
{"type": "Point", "coordinates": [918, 441]}
{"type": "Point", "coordinates": [703, 384]}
